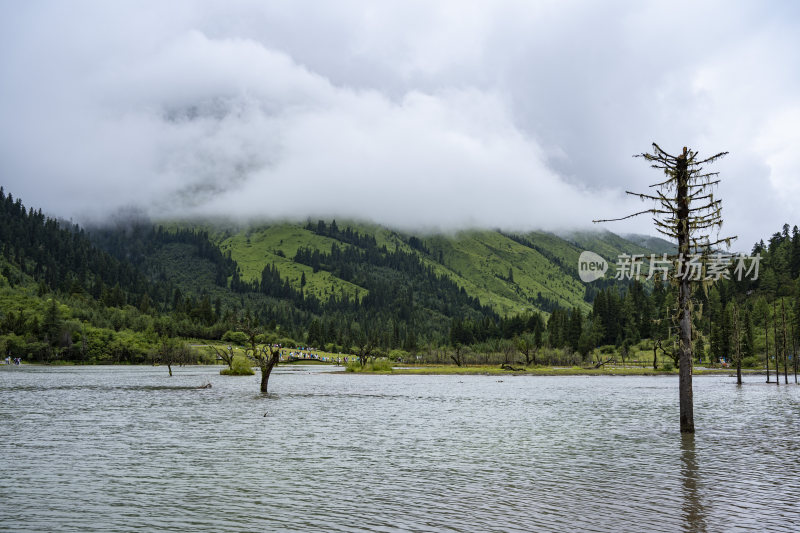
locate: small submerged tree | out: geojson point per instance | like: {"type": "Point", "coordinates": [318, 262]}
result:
{"type": "Point", "coordinates": [264, 356]}
{"type": "Point", "coordinates": [527, 347]}
{"type": "Point", "coordinates": [766, 338]}
{"type": "Point", "coordinates": [172, 352]}
{"type": "Point", "coordinates": [457, 355]}
{"type": "Point", "coordinates": [364, 343]}
{"type": "Point", "coordinates": [225, 355]}
{"type": "Point", "coordinates": [736, 343]}
{"type": "Point", "coordinates": [238, 365]}
{"type": "Point", "coordinates": [685, 210]}
{"type": "Point", "coordinates": [785, 347]}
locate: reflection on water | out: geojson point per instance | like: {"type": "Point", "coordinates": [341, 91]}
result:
{"type": "Point", "coordinates": [130, 449]}
{"type": "Point", "coordinates": [693, 511]}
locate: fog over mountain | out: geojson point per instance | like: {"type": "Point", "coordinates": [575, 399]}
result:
{"type": "Point", "coordinates": [420, 115]}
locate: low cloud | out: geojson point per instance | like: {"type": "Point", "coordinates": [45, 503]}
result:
{"type": "Point", "coordinates": [459, 115]}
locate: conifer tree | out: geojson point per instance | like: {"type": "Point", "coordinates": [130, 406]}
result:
{"type": "Point", "coordinates": [575, 327]}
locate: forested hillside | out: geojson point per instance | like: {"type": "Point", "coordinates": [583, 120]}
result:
{"type": "Point", "coordinates": [511, 273]}
{"type": "Point", "coordinates": [116, 293]}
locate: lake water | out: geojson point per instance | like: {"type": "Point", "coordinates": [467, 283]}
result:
{"type": "Point", "coordinates": [130, 449]}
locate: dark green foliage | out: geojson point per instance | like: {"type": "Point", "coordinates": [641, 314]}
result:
{"type": "Point", "coordinates": [108, 296]}
{"type": "Point", "coordinates": [700, 349]}
{"type": "Point", "coordinates": [575, 328]}
{"type": "Point", "coordinates": [567, 268]}
{"type": "Point", "coordinates": [61, 257]}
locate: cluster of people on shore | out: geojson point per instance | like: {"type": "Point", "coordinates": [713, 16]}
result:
{"type": "Point", "coordinates": [305, 355]}
{"type": "Point", "coordinates": [310, 353]}
{"type": "Point", "coordinates": [16, 360]}
{"type": "Point", "coordinates": [307, 352]}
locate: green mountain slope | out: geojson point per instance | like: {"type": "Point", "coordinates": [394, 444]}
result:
{"type": "Point", "coordinates": [131, 291]}
{"type": "Point", "coordinates": [606, 244]}
{"type": "Point", "coordinates": [504, 274]}
{"type": "Point", "coordinates": [656, 244]}
{"type": "Point", "coordinates": [255, 248]}
{"type": "Point", "coordinates": [511, 273]}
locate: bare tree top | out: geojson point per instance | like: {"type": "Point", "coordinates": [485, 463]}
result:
{"type": "Point", "coordinates": [686, 179]}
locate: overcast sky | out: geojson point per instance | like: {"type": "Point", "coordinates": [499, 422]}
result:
{"type": "Point", "coordinates": [424, 114]}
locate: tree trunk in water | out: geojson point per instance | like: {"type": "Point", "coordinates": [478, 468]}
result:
{"type": "Point", "coordinates": [655, 356]}
{"type": "Point", "coordinates": [738, 345]}
{"type": "Point", "coordinates": [794, 354]}
{"type": "Point", "coordinates": [711, 357]}
{"type": "Point", "coordinates": [785, 347]}
{"type": "Point", "coordinates": [685, 370]}
{"type": "Point", "coordinates": [685, 319]}
{"type": "Point", "coordinates": [766, 341]}
{"type": "Point", "coordinates": [739, 371]}
{"type": "Point", "coordinates": [169, 367]}
{"type": "Point", "coordinates": [266, 370]}
{"type": "Point", "coordinates": [775, 337]}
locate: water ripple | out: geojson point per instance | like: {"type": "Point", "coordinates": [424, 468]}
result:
{"type": "Point", "coordinates": [130, 449]}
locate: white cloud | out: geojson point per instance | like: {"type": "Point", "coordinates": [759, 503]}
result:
{"type": "Point", "coordinates": [409, 113]}
{"type": "Point", "coordinates": [778, 143]}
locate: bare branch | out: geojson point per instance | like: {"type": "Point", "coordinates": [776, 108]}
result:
{"type": "Point", "coordinates": [667, 233]}
{"type": "Point", "coordinates": [664, 154]}
{"type": "Point", "coordinates": [692, 197]}
{"type": "Point", "coordinates": [709, 205]}
{"type": "Point", "coordinates": [624, 218]}
{"type": "Point", "coordinates": [698, 177]}
{"type": "Point", "coordinates": [726, 240]}
{"type": "Point", "coordinates": [665, 182]}
{"type": "Point", "coordinates": [712, 158]}
{"type": "Point", "coordinates": [642, 196]}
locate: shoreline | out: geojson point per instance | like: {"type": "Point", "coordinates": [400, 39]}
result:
{"type": "Point", "coordinates": [445, 370]}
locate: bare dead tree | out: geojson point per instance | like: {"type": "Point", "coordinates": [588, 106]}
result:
{"type": "Point", "coordinates": [527, 347]}
{"type": "Point", "coordinates": [737, 336]}
{"type": "Point", "coordinates": [171, 352]}
{"type": "Point", "coordinates": [785, 348]}
{"type": "Point", "coordinates": [794, 353]}
{"type": "Point", "coordinates": [364, 342]}
{"type": "Point", "coordinates": [766, 339]}
{"type": "Point", "coordinates": [364, 348]}
{"type": "Point", "coordinates": [777, 345]}
{"type": "Point", "coordinates": [685, 210]}
{"type": "Point", "coordinates": [509, 348]}
{"type": "Point", "coordinates": [600, 362]}
{"type": "Point", "coordinates": [656, 346]}
{"type": "Point", "coordinates": [458, 354]}
{"type": "Point", "coordinates": [265, 357]}
{"type": "Point", "coordinates": [226, 355]}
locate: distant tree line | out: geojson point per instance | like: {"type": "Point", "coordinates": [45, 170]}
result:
{"type": "Point", "coordinates": [110, 295]}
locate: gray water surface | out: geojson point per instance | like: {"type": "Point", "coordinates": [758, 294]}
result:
{"type": "Point", "coordinates": [131, 449]}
